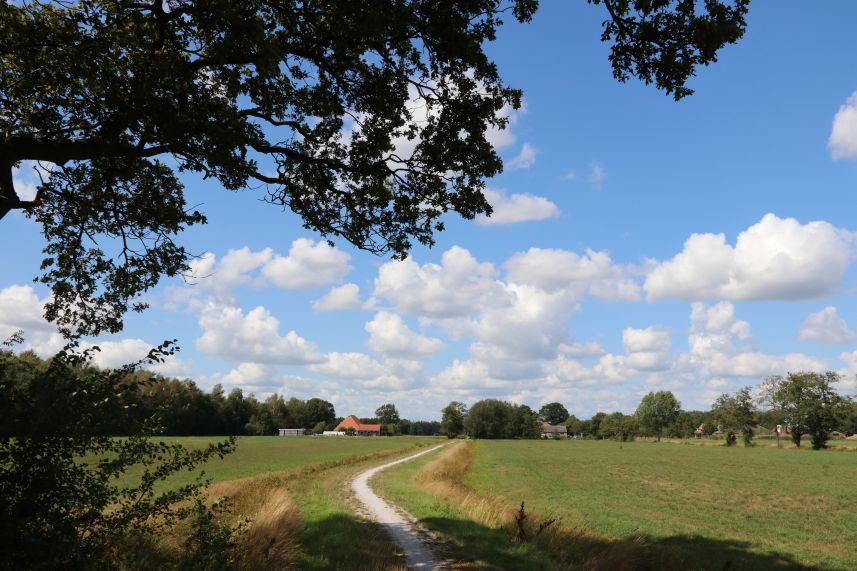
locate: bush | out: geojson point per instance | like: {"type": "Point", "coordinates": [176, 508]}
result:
{"type": "Point", "coordinates": [59, 504]}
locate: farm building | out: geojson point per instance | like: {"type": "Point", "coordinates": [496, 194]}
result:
{"type": "Point", "coordinates": [554, 431]}
{"type": "Point", "coordinates": [292, 432]}
{"type": "Point", "coordinates": [361, 429]}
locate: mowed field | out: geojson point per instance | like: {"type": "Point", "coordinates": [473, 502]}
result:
{"type": "Point", "coordinates": [651, 505]}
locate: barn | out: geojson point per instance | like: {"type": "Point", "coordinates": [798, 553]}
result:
{"type": "Point", "coordinates": [360, 428]}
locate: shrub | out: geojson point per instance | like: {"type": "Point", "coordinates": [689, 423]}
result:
{"type": "Point", "coordinates": [61, 506]}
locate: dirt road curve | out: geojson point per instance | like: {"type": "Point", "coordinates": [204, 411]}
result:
{"type": "Point", "coordinates": [418, 554]}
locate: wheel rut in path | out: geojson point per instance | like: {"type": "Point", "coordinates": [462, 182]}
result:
{"type": "Point", "coordinates": [417, 552]}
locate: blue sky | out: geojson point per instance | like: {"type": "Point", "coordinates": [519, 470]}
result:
{"type": "Point", "coordinates": [638, 244]}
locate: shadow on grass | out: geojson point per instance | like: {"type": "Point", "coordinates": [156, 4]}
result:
{"type": "Point", "coordinates": [347, 543]}
{"type": "Point", "coordinates": [478, 546]}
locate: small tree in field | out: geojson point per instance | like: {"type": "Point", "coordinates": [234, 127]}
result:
{"type": "Point", "coordinates": [452, 423]}
{"type": "Point", "coordinates": [736, 412]}
{"type": "Point", "coordinates": [657, 411]}
{"type": "Point", "coordinates": [809, 403]}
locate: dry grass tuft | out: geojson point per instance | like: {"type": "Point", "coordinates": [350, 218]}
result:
{"type": "Point", "coordinates": [270, 541]}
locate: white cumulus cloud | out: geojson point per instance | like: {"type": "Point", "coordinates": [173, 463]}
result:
{"type": "Point", "coordinates": [524, 159]}
{"type": "Point", "coordinates": [389, 335]}
{"type": "Point", "coordinates": [308, 265]}
{"type": "Point", "coordinates": [253, 337]}
{"type": "Point", "coordinates": [346, 296]}
{"type": "Point", "coordinates": [458, 286]}
{"type": "Point", "coordinates": [21, 309]}
{"type": "Point", "coordinates": [826, 326]}
{"type": "Point", "coordinates": [843, 135]}
{"type": "Point", "coordinates": [516, 208]}
{"type": "Point", "coordinates": [646, 349]}
{"type": "Point", "coordinates": [776, 258]}
{"type": "Point", "coordinates": [592, 273]}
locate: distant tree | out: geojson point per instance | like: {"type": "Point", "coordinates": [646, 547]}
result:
{"type": "Point", "coordinates": [320, 427]}
{"type": "Point", "coordinates": [387, 414]}
{"type": "Point", "coordinates": [688, 421]}
{"type": "Point", "coordinates": [390, 429]}
{"type": "Point", "coordinates": [810, 404]}
{"type": "Point", "coordinates": [553, 413]}
{"type": "Point", "coordinates": [489, 418]}
{"type": "Point", "coordinates": [656, 412]}
{"type": "Point", "coordinates": [237, 412]}
{"type": "Point", "coordinates": [736, 413]}
{"type": "Point", "coordinates": [425, 427]}
{"type": "Point", "coordinates": [525, 422]}
{"type": "Point", "coordinates": [847, 418]}
{"type": "Point", "coordinates": [595, 424]}
{"type": "Point", "coordinates": [574, 425]}
{"type": "Point", "coordinates": [297, 413]}
{"type": "Point", "coordinates": [318, 411]}
{"type": "Point", "coordinates": [405, 427]}
{"type": "Point", "coordinates": [618, 426]}
{"type": "Point", "coordinates": [452, 421]}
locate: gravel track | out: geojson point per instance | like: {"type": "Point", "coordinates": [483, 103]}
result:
{"type": "Point", "coordinates": [419, 555]}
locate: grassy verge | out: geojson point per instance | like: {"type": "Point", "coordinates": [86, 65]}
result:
{"type": "Point", "coordinates": [470, 529]}
{"type": "Point", "coordinates": [637, 505]}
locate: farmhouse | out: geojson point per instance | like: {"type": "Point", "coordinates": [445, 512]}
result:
{"type": "Point", "coordinates": [554, 431]}
{"type": "Point", "coordinates": [361, 429]}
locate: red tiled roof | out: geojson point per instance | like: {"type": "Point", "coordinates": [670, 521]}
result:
{"type": "Point", "coordinates": [352, 421]}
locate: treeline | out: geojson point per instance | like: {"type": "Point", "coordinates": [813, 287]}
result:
{"type": "Point", "coordinates": [803, 405]}
{"type": "Point", "coordinates": [182, 408]}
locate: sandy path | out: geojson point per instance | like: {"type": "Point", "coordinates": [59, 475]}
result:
{"type": "Point", "coordinates": [418, 554]}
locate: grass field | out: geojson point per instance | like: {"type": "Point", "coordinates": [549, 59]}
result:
{"type": "Point", "coordinates": [653, 505]}
{"type": "Point", "coordinates": [296, 492]}
{"type": "Point", "coordinates": [262, 454]}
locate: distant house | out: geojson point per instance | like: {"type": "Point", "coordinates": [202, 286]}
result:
{"type": "Point", "coordinates": [361, 429]}
{"type": "Point", "coordinates": [554, 430]}
{"type": "Point", "coordinates": [292, 432]}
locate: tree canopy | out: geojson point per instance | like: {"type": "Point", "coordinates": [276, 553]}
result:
{"type": "Point", "coordinates": [736, 412]}
{"type": "Point", "coordinates": [368, 119]}
{"type": "Point", "coordinates": [387, 414]}
{"type": "Point", "coordinates": [657, 411]}
{"type": "Point", "coordinates": [452, 421]}
{"type": "Point", "coordinates": [553, 413]}
{"type": "Point", "coordinates": [809, 404]}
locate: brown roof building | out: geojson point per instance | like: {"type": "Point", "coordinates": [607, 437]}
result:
{"type": "Point", "coordinates": [554, 431]}
{"type": "Point", "coordinates": [361, 429]}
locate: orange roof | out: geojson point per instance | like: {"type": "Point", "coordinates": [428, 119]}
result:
{"type": "Point", "coordinates": [352, 421]}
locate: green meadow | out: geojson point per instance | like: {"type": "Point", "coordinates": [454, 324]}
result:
{"type": "Point", "coordinates": [256, 455]}
{"type": "Point", "coordinates": [641, 504]}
